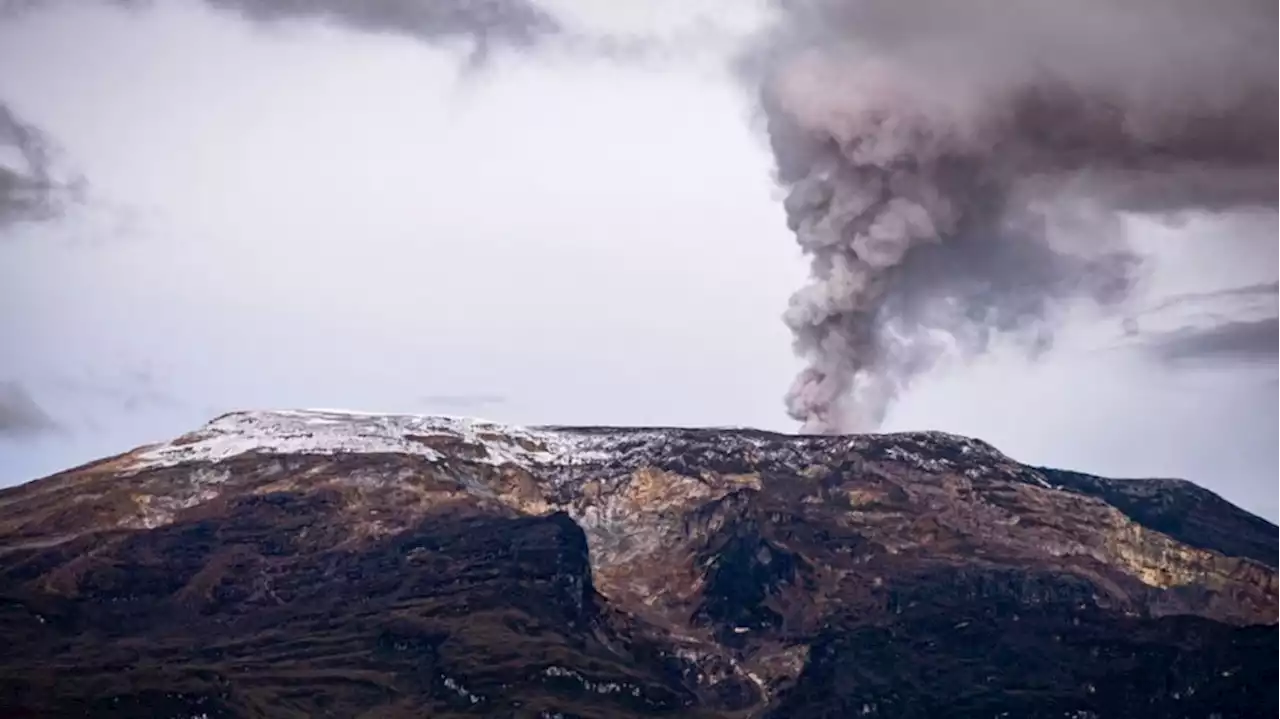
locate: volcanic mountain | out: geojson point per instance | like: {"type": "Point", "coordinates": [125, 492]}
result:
{"type": "Point", "coordinates": [333, 564]}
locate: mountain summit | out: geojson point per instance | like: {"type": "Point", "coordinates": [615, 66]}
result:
{"type": "Point", "coordinates": [334, 564]}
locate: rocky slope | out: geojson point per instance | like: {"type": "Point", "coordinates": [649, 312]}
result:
{"type": "Point", "coordinates": [306, 564]}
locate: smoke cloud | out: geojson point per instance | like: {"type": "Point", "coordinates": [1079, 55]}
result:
{"type": "Point", "coordinates": [957, 171]}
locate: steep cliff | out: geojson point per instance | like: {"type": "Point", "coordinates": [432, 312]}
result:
{"type": "Point", "coordinates": [335, 564]}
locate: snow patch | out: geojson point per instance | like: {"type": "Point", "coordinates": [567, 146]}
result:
{"type": "Point", "coordinates": [331, 432]}
{"type": "Point", "coordinates": [558, 455]}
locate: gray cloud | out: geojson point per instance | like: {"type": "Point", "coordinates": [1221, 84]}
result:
{"type": "Point", "coordinates": [1229, 325]}
{"type": "Point", "coordinates": [1261, 291]}
{"type": "Point", "coordinates": [522, 25]}
{"type": "Point", "coordinates": [513, 23]}
{"type": "Point", "coordinates": [955, 170]}
{"type": "Point", "coordinates": [486, 23]}
{"type": "Point", "coordinates": [519, 21]}
{"type": "Point", "coordinates": [30, 188]}
{"type": "Point", "coordinates": [20, 415]}
{"type": "Point", "coordinates": [1232, 341]}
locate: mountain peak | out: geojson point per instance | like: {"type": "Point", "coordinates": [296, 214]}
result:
{"type": "Point", "coordinates": [329, 431]}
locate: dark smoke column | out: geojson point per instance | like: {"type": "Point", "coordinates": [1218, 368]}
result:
{"type": "Point", "coordinates": [958, 169]}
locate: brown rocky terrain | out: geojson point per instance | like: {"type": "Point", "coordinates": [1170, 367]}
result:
{"type": "Point", "coordinates": [309, 564]}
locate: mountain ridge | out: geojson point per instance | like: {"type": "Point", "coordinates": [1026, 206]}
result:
{"type": "Point", "coordinates": [664, 571]}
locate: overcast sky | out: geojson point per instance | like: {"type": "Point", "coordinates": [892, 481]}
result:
{"type": "Point", "coordinates": [308, 216]}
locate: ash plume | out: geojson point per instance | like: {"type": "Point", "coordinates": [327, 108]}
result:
{"type": "Point", "coordinates": [958, 170]}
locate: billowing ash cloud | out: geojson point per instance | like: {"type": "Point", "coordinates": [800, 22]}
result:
{"type": "Point", "coordinates": [29, 187]}
{"type": "Point", "coordinates": [955, 169]}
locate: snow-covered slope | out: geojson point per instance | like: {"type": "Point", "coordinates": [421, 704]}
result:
{"type": "Point", "coordinates": [331, 432]}
{"type": "Point", "coordinates": [337, 432]}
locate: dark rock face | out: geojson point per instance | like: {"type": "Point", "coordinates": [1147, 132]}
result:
{"type": "Point", "coordinates": [744, 575]}
{"type": "Point", "coordinates": [1049, 661]}
{"type": "Point", "coordinates": [243, 615]}
{"type": "Point", "coordinates": [313, 565]}
{"type": "Point", "coordinates": [1192, 515]}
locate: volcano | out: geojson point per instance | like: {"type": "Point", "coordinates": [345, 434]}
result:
{"type": "Point", "coordinates": [336, 564]}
